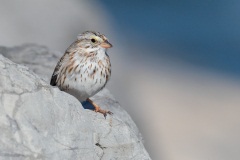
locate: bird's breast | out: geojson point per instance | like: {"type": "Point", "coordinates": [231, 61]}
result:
{"type": "Point", "coordinates": [88, 77]}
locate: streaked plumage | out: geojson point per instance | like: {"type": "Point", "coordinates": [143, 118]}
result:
{"type": "Point", "coordinates": [85, 67]}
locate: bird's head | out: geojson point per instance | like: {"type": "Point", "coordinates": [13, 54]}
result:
{"type": "Point", "coordinates": [93, 40]}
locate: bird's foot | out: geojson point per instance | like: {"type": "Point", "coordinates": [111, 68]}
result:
{"type": "Point", "coordinates": [104, 112]}
{"type": "Point", "coordinates": [98, 109]}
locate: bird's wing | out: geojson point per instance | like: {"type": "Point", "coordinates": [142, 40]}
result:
{"type": "Point", "coordinates": [55, 74]}
{"type": "Point", "coordinates": [71, 49]}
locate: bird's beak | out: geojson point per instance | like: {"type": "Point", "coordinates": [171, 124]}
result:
{"type": "Point", "coordinates": [106, 44]}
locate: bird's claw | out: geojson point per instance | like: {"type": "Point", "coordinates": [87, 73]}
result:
{"type": "Point", "coordinates": [107, 112]}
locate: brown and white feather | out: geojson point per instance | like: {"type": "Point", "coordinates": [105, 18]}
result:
{"type": "Point", "coordinates": [84, 69]}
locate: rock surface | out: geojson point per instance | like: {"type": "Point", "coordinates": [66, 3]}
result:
{"type": "Point", "coordinates": [38, 121]}
{"type": "Point", "coordinates": [38, 58]}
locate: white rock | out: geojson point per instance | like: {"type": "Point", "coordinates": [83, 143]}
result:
{"type": "Point", "coordinates": [38, 121]}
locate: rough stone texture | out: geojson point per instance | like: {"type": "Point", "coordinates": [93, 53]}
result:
{"type": "Point", "coordinates": [38, 58]}
{"type": "Point", "coordinates": [38, 121]}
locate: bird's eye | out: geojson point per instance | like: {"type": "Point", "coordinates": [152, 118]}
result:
{"type": "Point", "coordinates": [93, 40]}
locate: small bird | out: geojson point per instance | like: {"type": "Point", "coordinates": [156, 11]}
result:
{"type": "Point", "coordinates": [85, 68]}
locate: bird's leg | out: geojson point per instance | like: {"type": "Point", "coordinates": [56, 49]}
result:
{"type": "Point", "coordinates": [98, 109]}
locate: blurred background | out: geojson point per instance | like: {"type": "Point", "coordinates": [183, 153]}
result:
{"type": "Point", "coordinates": [176, 64]}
